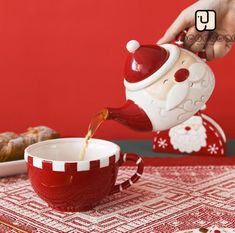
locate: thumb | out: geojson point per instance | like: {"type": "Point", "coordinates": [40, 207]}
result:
{"type": "Point", "coordinates": [182, 22]}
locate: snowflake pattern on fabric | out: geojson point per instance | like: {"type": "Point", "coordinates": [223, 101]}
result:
{"type": "Point", "coordinates": [199, 135]}
{"type": "Point", "coordinates": [162, 143]}
{"type": "Point", "coordinates": [213, 149]}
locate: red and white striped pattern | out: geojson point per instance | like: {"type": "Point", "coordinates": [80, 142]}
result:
{"type": "Point", "coordinates": [64, 166]}
{"type": "Point", "coordinates": [140, 168]}
{"type": "Point", "coordinates": [89, 165]}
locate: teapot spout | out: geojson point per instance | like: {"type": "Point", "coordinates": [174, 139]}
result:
{"type": "Point", "coordinates": [130, 115]}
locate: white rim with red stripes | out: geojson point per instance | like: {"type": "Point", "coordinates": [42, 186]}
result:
{"type": "Point", "coordinates": [60, 154]}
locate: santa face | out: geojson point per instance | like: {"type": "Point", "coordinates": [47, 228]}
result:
{"type": "Point", "coordinates": [178, 94]}
{"type": "Point", "coordinates": [161, 89]}
{"type": "Point", "coordinates": [190, 136]}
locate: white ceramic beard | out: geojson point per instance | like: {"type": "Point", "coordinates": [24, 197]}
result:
{"type": "Point", "coordinates": [189, 140]}
{"type": "Point", "coordinates": [183, 101]}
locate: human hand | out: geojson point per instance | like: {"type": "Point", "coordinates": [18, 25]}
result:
{"type": "Point", "coordinates": [216, 43]}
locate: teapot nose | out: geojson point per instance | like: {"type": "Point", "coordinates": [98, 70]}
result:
{"type": "Point", "coordinates": [181, 75]}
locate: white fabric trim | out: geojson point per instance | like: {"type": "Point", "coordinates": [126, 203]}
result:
{"type": "Point", "coordinates": [174, 53]}
{"type": "Point", "coordinates": [216, 125]}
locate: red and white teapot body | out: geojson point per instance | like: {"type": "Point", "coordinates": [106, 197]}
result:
{"type": "Point", "coordinates": [167, 84]}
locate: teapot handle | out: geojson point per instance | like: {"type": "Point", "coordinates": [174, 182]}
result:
{"type": "Point", "coordinates": [179, 41]}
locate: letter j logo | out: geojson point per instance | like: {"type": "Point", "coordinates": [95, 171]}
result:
{"type": "Point", "coordinates": [205, 20]}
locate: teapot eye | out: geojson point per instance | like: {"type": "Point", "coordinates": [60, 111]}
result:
{"type": "Point", "coordinates": [165, 81]}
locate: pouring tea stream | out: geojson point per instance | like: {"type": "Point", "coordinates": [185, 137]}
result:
{"type": "Point", "coordinates": [165, 85]}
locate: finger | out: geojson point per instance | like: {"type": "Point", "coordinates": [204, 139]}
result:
{"type": "Point", "coordinates": [190, 37]}
{"type": "Point", "coordinates": [209, 46]}
{"type": "Point", "coordinates": [200, 42]}
{"type": "Point", "coordinates": [221, 48]}
{"type": "Point", "coordinates": [194, 37]}
{"type": "Point", "coordinates": [182, 22]}
{"type": "Point", "coordinates": [210, 52]}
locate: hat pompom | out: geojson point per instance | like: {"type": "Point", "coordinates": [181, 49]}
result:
{"type": "Point", "coordinates": [132, 46]}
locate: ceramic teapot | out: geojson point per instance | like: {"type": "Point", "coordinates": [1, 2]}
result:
{"type": "Point", "coordinates": [165, 85]}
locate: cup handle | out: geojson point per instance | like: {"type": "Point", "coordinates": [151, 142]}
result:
{"type": "Point", "coordinates": [140, 168]}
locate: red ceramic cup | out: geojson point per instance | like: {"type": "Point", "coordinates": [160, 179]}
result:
{"type": "Point", "coordinates": [67, 184]}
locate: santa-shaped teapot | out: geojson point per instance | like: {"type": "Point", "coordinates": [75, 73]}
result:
{"type": "Point", "coordinates": [165, 86]}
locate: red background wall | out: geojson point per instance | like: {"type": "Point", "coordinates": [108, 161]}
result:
{"type": "Point", "coordinates": [61, 61]}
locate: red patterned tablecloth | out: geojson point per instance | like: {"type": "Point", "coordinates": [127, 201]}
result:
{"type": "Point", "coordinates": [166, 199]}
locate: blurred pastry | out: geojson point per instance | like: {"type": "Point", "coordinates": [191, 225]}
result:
{"type": "Point", "coordinates": [12, 145]}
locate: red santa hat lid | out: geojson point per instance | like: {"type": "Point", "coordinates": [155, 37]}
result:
{"type": "Point", "coordinates": [147, 63]}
